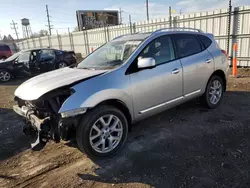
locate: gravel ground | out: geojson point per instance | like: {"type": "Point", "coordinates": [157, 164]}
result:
{"type": "Point", "coordinates": [187, 146]}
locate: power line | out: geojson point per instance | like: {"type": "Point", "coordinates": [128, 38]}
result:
{"type": "Point", "coordinates": [49, 26]}
{"type": "Point", "coordinates": [14, 27]}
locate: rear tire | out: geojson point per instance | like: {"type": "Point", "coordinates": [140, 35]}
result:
{"type": "Point", "coordinates": [102, 131]}
{"type": "Point", "coordinates": [214, 92]}
{"type": "Point", "coordinates": [62, 65]}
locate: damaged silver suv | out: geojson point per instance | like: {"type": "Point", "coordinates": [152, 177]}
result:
{"type": "Point", "coordinates": [126, 80]}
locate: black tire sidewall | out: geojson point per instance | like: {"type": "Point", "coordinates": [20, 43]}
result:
{"type": "Point", "coordinates": [86, 124]}
{"type": "Point", "coordinates": [207, 100]}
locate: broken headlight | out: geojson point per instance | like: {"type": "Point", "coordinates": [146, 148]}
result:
{"type": "Point", "coordinates": [73, 112]}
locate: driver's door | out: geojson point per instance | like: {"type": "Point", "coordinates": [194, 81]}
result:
{"type": "Point", "coordinates": [160, 87]}
{"type": "Point", "coordinates": [21, 65]}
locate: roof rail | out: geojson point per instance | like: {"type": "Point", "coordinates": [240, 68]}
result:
{"type": "Point", "coordinates": [124, 35]}
{"type": "Point", "coordinates": [179, 28]}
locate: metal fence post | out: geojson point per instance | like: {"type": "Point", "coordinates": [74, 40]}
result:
{"type": "Point", "coordinates": [69, 39]}
{"type": "Point", "coordinates": [130, 24]}
{"type": "Point", "coordinates": [72, 39]}
{"type": "Point", "coordinates": [49, 41]}
{"type": "Point", "coordinates": [58, 39]}
{"type": "Point", "coordinates": [28, 45]}
{"type": "Point", "coordinates": [108, 33]}
{"type": "Point", "coordinates": [40, 42]}
{"type": "Point", "coordinates": [235, 30]}
{"type": "Point", "coordinates": [134, 27]}
{"type": "Point", "coordinates": [229, 25]}
{"type": "Point", "coordinates": [87, 42]}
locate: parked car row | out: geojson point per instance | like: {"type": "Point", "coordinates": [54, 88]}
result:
{"type": "Point", "coordinates": [35, 61]}
{"type": "Point", "coordinates": [126, 80]}
{"type": "Point", "coordinates": [6, 50]}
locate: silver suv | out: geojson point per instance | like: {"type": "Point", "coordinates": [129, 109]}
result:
{"type": "Point", "coordinates": [126, 80]}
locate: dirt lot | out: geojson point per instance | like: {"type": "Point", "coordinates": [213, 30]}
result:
{"type": "Point", "coordinates": [188, 146]}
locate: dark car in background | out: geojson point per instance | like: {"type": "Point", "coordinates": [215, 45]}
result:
{"type": "Point", "coordinates": [35, 61]}
{"type": "Point", "coordinates": [7, 50]}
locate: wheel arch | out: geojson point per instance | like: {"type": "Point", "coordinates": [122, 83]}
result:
{"type": "Point", "coordinates": [119, 105]}
{"type": "Point", "coordinates": [222, 75]}
{"type": "Point", "coordinates": [6, 69]}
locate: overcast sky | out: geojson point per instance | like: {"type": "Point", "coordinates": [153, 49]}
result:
{"type": "Point", "coordinates": [63, 11]}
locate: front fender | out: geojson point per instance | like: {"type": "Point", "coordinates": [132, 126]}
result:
{"type": "Point", "coordinates": [91, 92]}
{"type": "Point", "coordinates": [77, 100]}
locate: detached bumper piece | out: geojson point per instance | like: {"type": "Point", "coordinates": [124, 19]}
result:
{"type": "Point", "coordinates": [36, 128]}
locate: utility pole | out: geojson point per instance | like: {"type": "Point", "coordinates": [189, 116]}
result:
{"type": "Point", "coordinates": [120, 12]}
{"type": "Point", "coordinates": [170, 17]}
{"type": "Point", "coordinates": [14, 27]}
{"type": "Point", "coordinates": [180, 12]}
{"type": "Point", "coordinates": [147, 10]}
{"type": "Point", "coordinates": [49, 26]}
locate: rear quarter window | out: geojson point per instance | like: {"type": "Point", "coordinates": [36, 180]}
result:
{"type": "Point", "coordinates": [205, 41]}
{"type": "Point", "coordinates": [187, 44]}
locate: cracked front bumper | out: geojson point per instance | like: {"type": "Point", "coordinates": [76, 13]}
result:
{"type": "Point", "coordinates": [34, 127]}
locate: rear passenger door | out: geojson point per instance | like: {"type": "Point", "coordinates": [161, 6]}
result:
{"type": "Point", "coordinates": [197, 63]}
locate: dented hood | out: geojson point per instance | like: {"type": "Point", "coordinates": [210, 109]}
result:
{"type": "Point", "coordinates": [37, 86]}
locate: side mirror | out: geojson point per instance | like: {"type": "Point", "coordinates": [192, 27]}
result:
{"type": "Point", "coordinates": [147, 62]}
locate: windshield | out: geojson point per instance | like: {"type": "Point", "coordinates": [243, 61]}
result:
{"type": "Point", "coordinates": [110, 55]}
{"type": "Point", "coordinates": [14, 56]}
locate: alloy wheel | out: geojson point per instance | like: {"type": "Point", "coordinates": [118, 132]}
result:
{"type": "Point", "coordinates": [62, 65]}
{"type": "Point", "coordinates": [215, 92]}
{"type": "Point", "coordinates": [106, 133]}
{"type": "Point", "coordinates": [4, 76]}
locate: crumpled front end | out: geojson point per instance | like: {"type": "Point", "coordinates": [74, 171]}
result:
{"type": "Point", "coordinates": [42, 122]}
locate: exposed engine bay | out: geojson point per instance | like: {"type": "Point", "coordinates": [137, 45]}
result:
{"type": "Point", "coordinates": [42, 120]}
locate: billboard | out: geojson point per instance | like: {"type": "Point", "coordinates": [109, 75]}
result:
{"type": "Point", "coordinates": [90, 19]}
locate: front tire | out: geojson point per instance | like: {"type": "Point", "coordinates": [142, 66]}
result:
{"type": "Point", "coordinates": [5, 76]}
{"type": "Point", "coordinates": [102, 131]}
{"type": "Point", "coordinates": [214, 92]}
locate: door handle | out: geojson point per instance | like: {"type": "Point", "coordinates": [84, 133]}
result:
{"type": "Point", "coordinates": [208, 60]}
{"type": "Point", "coordinates": [175, 71]}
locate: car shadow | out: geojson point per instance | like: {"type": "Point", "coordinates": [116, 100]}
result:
{"type": "Point", "coordinates": [12, 140]}
{"type": "Point", "coordinates": [187, 146]}
{"type": "Point", "coordinates": [14, 82]}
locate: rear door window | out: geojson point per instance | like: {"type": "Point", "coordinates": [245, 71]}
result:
{"type": "Point", "coordinates": [205, 41]}
{"type": "Point", "coordinates": [47, 54]}
{"type": "Point", "coordinates": [187, 45]}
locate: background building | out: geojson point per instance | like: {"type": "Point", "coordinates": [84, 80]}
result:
{"type": "Point", "coordinates": [90, 19]}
